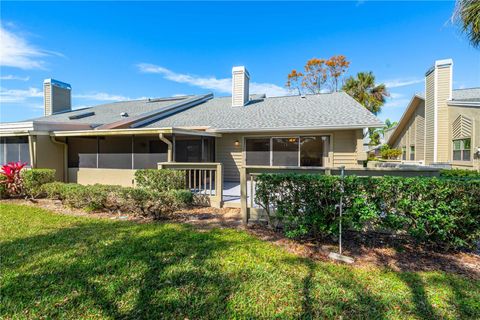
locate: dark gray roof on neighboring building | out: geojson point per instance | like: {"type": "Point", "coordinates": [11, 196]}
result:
{"type": "Point", "coordinates": [470, 94]}
{"type": "Point", "coordinates": [111, 112]}
{"type": "Point", "coordinates": [311, 111]}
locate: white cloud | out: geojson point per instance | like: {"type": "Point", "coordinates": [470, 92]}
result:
{"type": "Point", "coordinates": [101, 96]}
{"type": "Point", "coordinates": [19, 95]}
{"type": "Point", "coordinates": [396, 103]}
{"type": "Point", "coordinates": [395, 83]}
{"type": "Point", "coordinates": [17, 52]}
{"type": "Point", "coordinates": [12, 77]}
{"type": "Point", "coordinates": [211, 83]}
{"type": "Point", "coordinates": [395, 95]}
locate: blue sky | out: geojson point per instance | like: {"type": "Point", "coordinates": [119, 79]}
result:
{"type": "Point", "coordinates": [114, 51]}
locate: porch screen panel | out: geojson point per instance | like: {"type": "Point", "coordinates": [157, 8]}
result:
{"type": "Point", "coordinates": [312, 151]}
{"type": "Point", "coordinates": [285, 151]}
{"type": "Point", "coordinates": [257, 152]}
{"type": "Point", "coordinates": [148, 151]}
{"type": "Point", "coordinates": [82, 152]}
{"type": "Point", "coordinates": [115, 152]}
{"type": "Point", "coordinates": [14, 149]}
{"type": "Point", "coordinates": [208, 149]}
{"type": "Point", "coordinates": [188, 149]}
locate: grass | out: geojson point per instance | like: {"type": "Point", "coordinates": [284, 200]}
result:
{"type": "Point", "coordinates": [55, 266]}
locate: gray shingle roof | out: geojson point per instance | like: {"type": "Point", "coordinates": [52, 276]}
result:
{"type": "Point", "coordinates": [312, 111]}
{"type": "Point", "coordinates": [471, 94]}
{"type": "Point", "coordinates": [110, 112]}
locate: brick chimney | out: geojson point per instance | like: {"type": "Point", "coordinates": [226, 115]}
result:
{"type": "Point", "coordinates": [240, 86]}
{"type": "Point", "coordinates": [57, 96]}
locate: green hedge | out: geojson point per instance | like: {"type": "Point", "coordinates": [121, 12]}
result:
{"type": "Point", "coordinates": [459, 173]}
{"type": "Point", "coordinates": [3, 187]}
{"type": "Point", "coordinates": [138, 201]}
{"type": "Point", "coordinates": [33, 179]}
{"type": "Point", "coordinates": [445, 212]}
{"type": "Point", "coordinates": [160, 179]}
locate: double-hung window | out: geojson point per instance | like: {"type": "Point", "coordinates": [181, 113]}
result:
{"type": "Point", "coordinates": [412, 153]}
{"type": "Point", "coordinates": [462, 149]}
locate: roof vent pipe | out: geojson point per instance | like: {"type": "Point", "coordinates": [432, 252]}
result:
{"type": "Point", "coordinates": [240, 86]}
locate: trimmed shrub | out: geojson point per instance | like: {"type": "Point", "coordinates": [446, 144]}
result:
{"type": "Point", "coordinates": [138, 201]}
{"type": "Point", "coordinates": [459, 173]}
{"type": "Point", "coordinates": [3, 187]}
{"type": "Point", "coordinates": [160, 179]}
{"type": "Point", "coordinates": [182, 197]}
{"type": "Point", "coordinates": [33, 179]}
{"type": "Point", "coordinates": [444, 212]}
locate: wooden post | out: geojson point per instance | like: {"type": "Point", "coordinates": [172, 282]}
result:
{"type": "Point", "coordinates": [243, 194]}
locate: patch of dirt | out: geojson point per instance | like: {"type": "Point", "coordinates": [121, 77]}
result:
{"type": "Point", "coordinates": [378, 250]}
{"type": "Point", "coordinates": [395, 253]}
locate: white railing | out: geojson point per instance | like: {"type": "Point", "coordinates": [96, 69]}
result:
{"type": "Point", "coordinates": [204, 179]}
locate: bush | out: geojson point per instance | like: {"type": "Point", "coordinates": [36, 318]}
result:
{"type": "Point", "coordinates": [444, 212]}
{"type": "Point", "coordinates": [11, 179]}
{"type": "Point", "coordinates": [459, 173]}
{"type": "Point", "coordinates": [139, 201]}
{"type": "Point", "coordinates": [160, 179]}
{"type": "Point", "coordinates": [33, 179]}
{"type": "Point", "coordinates": [388, 153]}
{"type": "Point", "coordinates": [3, 187]}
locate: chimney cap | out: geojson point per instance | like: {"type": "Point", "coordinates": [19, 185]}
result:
{"type": "Point", "coordinates": [240, 69]}
{"type": "Point", "coordinates": [443, 62]}
{"type": "Point", "coordinates": [57, 83]}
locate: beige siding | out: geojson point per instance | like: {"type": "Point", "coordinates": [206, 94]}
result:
{"type": "Point", "coordinates": [230, 155]}
{"type": "Point", "coordinates": [443, 128]}
{"type": "Point", "coordinates": [429, 117]}
{"type": "Point", "coordinates": [49, 155]}
{"type": "Point", "coordinates": [473, 131]}
{"type": "Point", "coordinates": [420, 132]}
{"type": "Point", "coordinates": [412, 132]}
{"type": "Point", "coordinates": [345, 148]}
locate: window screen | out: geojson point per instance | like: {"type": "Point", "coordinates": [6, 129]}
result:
{"type": "Point", "coordinates": [285, 151]}
{"type": "Point", "coordinates": [258, 152]}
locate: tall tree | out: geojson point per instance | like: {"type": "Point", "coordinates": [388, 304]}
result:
{"type": "Point", "coordinates": [319, 75]}
{"type": "Point", "coordinates": [364, 89]}
{"type": "Point", "coordinates": [467, 15]}
{"type": "Point", "coordinates": [336, 66]}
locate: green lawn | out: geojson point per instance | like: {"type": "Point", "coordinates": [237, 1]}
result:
{"type": "Point", "coordinates": [55, 266]}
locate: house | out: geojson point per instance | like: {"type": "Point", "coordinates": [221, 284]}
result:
{"type": "Point", "coordinates": [107, 143]}
{"type": "Point", "coordinates": [441, 126]}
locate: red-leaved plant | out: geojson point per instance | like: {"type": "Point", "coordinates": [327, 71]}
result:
{"type": "Point", "coordinates": [13, 181]}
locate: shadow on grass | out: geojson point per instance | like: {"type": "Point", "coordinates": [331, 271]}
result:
{"type": "Point", "coordinates": [166, 267]}
{"type": "Point", "coordinates": [123, 270]}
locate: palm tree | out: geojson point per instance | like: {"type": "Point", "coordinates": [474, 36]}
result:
{"type": "Point", "coordinates": [467, 14]}
{"type": "Point", "coordinates": [363, 89]}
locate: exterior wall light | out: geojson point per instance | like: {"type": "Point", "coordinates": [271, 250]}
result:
{"type": "Point", "coordinates": [237, 143]}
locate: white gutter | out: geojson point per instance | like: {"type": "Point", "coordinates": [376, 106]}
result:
{"type": "Point", "coordinates": [282, 129]}
{"type": "Point", "coordinates": [170, 147]}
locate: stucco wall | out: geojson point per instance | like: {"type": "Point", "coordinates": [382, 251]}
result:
{"type": "Point", "coordinates": [122, 177]}
{"type": "Point", "coordinates": [49, 155]}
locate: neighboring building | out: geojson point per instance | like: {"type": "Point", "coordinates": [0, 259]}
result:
{"type": "Point", "coordinates": [442, 126]}
{"type": "Point", "coordinates": [106, 143]}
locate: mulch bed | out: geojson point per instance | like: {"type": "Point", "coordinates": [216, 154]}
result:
{"type": "Point", "coordinates": [368, 250]}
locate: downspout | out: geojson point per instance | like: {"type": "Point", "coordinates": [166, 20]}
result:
{"type": "Point", "coordinates": [31, 149]}
{"type": "Point", "coordinates": [65, 157]}
{"type": "Point", "coordinates": [170, 147]}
